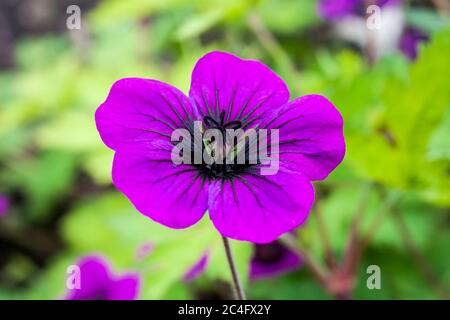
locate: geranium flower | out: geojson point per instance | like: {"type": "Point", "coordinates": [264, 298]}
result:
{"type": "Point", "coordinates": [410, 41]}
{"type": "Point", "coordinates": [406, 40]}
{"type": "Point", "coordinates": [338, 9]}
{"type": "Point", "coordinates": [273, 259]}
{"type": "Point", "coordinates": [139, 116]}
{"type": "Point", "coordinates": [197, 269]}
{"type": "Point", "coordinates": [4, 205]}
{"type": "Point", "coordinates": [97, 282]}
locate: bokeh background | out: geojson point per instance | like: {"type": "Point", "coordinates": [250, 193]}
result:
{"type": "Point", "coordinates": [57, 203]}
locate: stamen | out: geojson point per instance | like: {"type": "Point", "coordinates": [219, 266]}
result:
{"type": "Point", "coordinates": [209, 121]}
{"type": "Point", "coordinates": [235, 124]}
{"type": "Point", "coordinates": [222, 117]}
{"type": "Point", "coordinates": [221, 171]}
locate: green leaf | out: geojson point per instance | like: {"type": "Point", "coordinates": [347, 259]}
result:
{"type": "Point", "coordinates": [45, 181]}
{"type": "Point", "coordinates": [69, 131]}
{"type": "Point", "coordinates": [283, 15]}
{"type": "Point", "coordinates": [439, 144]}
{"type": "Point", "coordinates": [418, 218]}
{"type": "Point", "coordinates": [51, 283]}
{"type": "Point", "coordinates": [128, 11]}
{"type": "Point", "coordinates": [198, 24]}
{"type": "Point", "coordinates": [98, 164]}
{"type": "Point", "coordinates": [297, 285]}
{"type": "Point", "coordinates": [171, 259]}
{"type": "Point", "coordinates": [414, 110]}
{"type": "Point", "coordinates": [400, 278]}
{"type": "Point", "coordinates": [40, 52]}
{"type": "Point", "coordinates": [390, 113]}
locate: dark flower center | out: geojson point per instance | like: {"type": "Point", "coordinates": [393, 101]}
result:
{"type": "Point", "coordinates": [269, 253]}
{"type": "Point", "coordinates": [222, 170]}
{"type": "Point", "coordinates": [219, 124]}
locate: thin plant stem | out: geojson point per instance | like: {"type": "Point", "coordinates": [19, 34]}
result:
{"type": "Point", "coordinates": [353, 239]}
{"type": "Point", "coordinates": [329, 256]}
{"type": "Point", "coordinates": [421, 262]}
{"type": "Point", "coordinates": [318, 273]}
{"type": "Point", "coordinates": [360, 244]}
{"type": "Point", "coordinates": [323, 277]}
{"type": "Point", "coordinates": [384, 211]}
{"type": "Point", "coordinates": [234, 274]}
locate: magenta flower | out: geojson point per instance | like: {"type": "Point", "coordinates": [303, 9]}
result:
{"type": "Point", "coordinates": [410, 41]}
{"type": "Point", "coordinates": [273, 259]}
{"type": "Point", "coordinates": [197, 269]}
{"type": "Point", "coordinates": [139, 116]}
{"type": "Point", "coordinates": [4, 205]}
{"type": "Point", "coordinates": [338, 9]}
{"type": "Point", "coordinates": [98, 283]}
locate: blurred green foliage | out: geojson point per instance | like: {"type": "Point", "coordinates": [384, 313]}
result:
{"type": "Point", "coordinates": [397, 128]}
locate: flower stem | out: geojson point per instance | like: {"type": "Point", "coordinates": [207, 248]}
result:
{"type": "Point", "coordinates": [237, 284]}
{"type": "Point", "coordinates": [424, 267]}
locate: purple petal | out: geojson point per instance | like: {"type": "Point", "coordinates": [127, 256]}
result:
{"type": "Point", "coordinates": [311, 136]}
{"type": "Point", "coordinates": [4, 205]}
{"type": "Point", "coordinates": [137, 120]}
{"type": "Point", "coordinates": [124, 288]}
{"type": "Point", "coordinates": [138, 111]}
{"type": "Point", "coordinates": [384, 3]}
{"type": "Point", "coordinates": [197, 269]}
{"type": "Point", "coordinates": [173, 195]}
{"type": "Point", "coordinates": [339, 9]}
{"type": "Point", "coordinates": [94, 279]}
{"type": "Point", "coordinates": [243, 89]}
{"type": "Point", "coordinates": [260, 208]}
{"type": "Point", "coordinates": [97, 282]}
{"type": "Point", "coordinates": [410, 41]}
{"type": "Point", "coordinates": [273, 259]}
